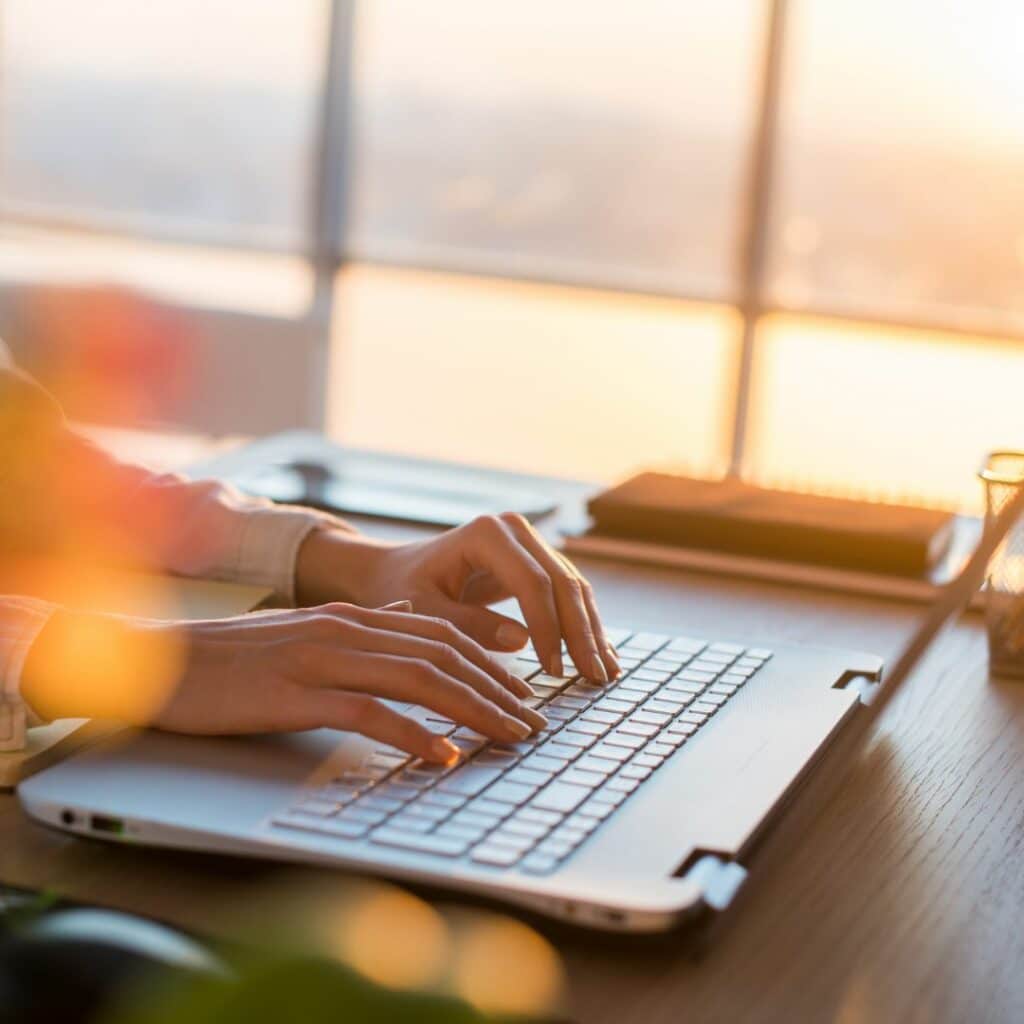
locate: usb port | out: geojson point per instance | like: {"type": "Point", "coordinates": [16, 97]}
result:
{"type": "Point", "coordinates": [110, 826]}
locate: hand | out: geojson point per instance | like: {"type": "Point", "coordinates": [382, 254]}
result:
{"type": "Point", "coordinates": [277, 671]}
{"type": "Point", "coordinates": [455, 575]}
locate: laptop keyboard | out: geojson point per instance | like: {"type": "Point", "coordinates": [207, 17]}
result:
{"type": "Point", "coordinates": [529, 805]}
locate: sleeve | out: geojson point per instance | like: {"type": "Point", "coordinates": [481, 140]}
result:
{"type": "Point", "coordinates": [21, 619]}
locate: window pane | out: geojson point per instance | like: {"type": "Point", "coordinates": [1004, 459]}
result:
{"type": "Point", "coordinates": [902, 166]}
{"type": "Point", "coordinates": [598, 143]}
{"type": "Point", "coordinates": [183, 118]}
{"type": "Point", "coordinates": [536, 378]}
{"type": "Point", "coordinates": [881, 412]}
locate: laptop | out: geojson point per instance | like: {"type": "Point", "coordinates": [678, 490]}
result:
{"type": "Point", "coordinates": [635, 811]}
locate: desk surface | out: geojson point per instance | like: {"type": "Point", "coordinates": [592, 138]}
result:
{"type": "Point", "coordinates": [899, 899]}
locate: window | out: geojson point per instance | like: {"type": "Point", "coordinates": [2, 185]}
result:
{"type": "Point", "coordinates": [571, 237]}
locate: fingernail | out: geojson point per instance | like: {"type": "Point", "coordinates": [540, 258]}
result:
{"type": "Point", "coordinates": [597, 669]}
{"type": "Point", "coordinates": [613, 655]}
{"type": "Point", "coordinates": [519, 729]}
{"type": "Point", "coordinates": [442, 751]}
{"type": "Point", "coordinates": [533, 717]}
{"type": "Point", "coordinates": [521, 687]}
{"type": "Point", "coordinates": [397, 606]}
{"type": "Point", "coordinates": [511, 636]}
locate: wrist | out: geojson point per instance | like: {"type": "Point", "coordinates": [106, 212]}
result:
{"type": "Point", "coordinates": [336, 565]}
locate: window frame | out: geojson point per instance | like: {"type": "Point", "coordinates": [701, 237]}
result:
{"type": "Point", "coordinates": [327, 252]}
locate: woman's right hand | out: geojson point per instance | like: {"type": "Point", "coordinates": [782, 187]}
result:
{"type": "Point", "coordinates": [278, 671]}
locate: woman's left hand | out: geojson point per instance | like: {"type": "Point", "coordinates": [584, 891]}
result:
{"type": "Point", "coordinates": [456, 575]}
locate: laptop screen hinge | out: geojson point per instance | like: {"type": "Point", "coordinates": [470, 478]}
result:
{"type": "Point", "coordinates": [720, 880]}
{"type": "Point", "coordinates": [865, 686]}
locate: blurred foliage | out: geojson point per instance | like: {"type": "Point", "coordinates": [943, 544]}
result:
{"type": "Point", "coordinates": [273, 990]}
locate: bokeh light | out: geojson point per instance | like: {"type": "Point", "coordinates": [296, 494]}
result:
{"type": "Point", "coordinates": [503, 966]}
{"type": "Point", "coordinates": [394, 939]}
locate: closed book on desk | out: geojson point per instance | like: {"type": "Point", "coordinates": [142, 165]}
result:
{"type": "Point", "coordinates": [737, 517]}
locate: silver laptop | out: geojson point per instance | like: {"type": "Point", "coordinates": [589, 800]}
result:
{"type": "Point", "coordinates": [634, 811]}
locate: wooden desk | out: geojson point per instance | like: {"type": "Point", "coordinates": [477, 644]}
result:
{"type": "Point", "coordinates": [900, 899]}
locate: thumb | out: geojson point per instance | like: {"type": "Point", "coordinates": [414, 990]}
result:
{"type": "Point", "coordinates": [489, 629]}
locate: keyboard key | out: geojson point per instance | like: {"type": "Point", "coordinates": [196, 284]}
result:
{"type": "Point", "coordinates": [381, 803]}
{"type": "Point", "coordinates": [715, 699]}
{"type": "Point", "coordinates": [581, 778]}
{"type": "Point", "coordinates": [560, 796]}
{"type": "Point", "coordinates": [429, 811]}
{"type": "Point", "coordinates": [559, 714]}
{"type": "Point", "coordinates": [582, 822]}
{"type": "Point", "coordinates": [703, 707]}
{"type": "Point", "coordinates": [645, 674]}
{"type": "Point", "coordinates": [679, 688]}
{"type": "Point", "coordinates": [624, 739]}
{"type": "Point", "coordinates": [717, 658]}
{"type": "Point", "coordinates": [474, 819]}
{"type": "Point", "coordinates": [649, 641]}
{"type": "Point", "coordinates": [499, 856]}
{"type": "Point", "coordinates": [580, 740]}
{"type": "Point", "coordinates": [411, 823]}
{"type": "Point", "coordinates": [442, 845]}
{"type": "Point", "coordinates": [597, 808]}
{"type": "Point", "coordinates": [614, 706]}
{"type": "Point", "coordinates": [437, 799]}
{"type": "Point", "coordinates": [501, 837]}
{"type": "Point", "coordinates": [732, 679]}
{"type": "Point", "coordinates": [662, 749]}
{"type": "Point", "coordinates": [495, 808]}
{"type": "Point", "coordinates": [562, 751]}
{"type": "Point", "coordinates": [439, 728]}
{"type": "Point", "coordinates": [640, 728]}
{"type": "Point", "coordinates": [394, 791]}
{"type": "Point", "coordinates": [622, 785]}
{"type": "Point", "coordinates": [759, 653]}
{"type": "Point", "coordinates": [573, 703]}
{"type": "Point", "coordinates": [315, 807]}
{"type": "Point", "coordinates": [692, 675]}
{"type": "Point", "coordinates": [330, 827]}
{"type": "Point", "coordinates": [587, 728]}
{"type": "Point", "coordinates": [680, 729]}
{"type": "Point", "coordinates": [596, 765]}
{"type": "Point", "coordinates": [647, 760]}
{"type": "Point", "coordinates": [610, 752]}
{"type": "Point", "coordinates": [514, 793]}
{"type": "Point", "coordinates": [539, 864]}
{"type": "Point", "coordinates": [686, 645]}
{"type": "Point", "coordinates": [536, 814]}
{"type": "Point", "coordinates": [664, 707]}
{"type": "Point", "coordinates": [530, 776]}
{"type": "Point", "coordinates": [604, 717]}
{"type": "Point", "coordinates": [611, 796]}
{"type": "Point", "coordinates": [544, 763]}
{"type": "Point", "coordinates": [469, 779]}
{"type": "Point", "coordinates": [496, 758]}
{"type": "Point", "coordinates": [356, 812]}
{"type": "Point", "coordinates": [469, 833]}
{"type": "Point", "coordinates": [530, 829]}
{"type": "Point", "coordinates": [556, 847]}
{"type": "Point", "coordinates": [635, 771]}
{"type": "Point", "coordinates": [646, 717]}
{"type": "Point", "coordinates": [693, 717]}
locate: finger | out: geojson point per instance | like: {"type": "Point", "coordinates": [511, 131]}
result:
{"type": "Point", "coordinates": [487, 628]}
{"type": "Point", "coordinates": [492, 546]}
{"type": "Point", "coordinates": [446, 632]}
{"type": "Point", "coordinates": [438, 642]}
{"type": "Point", "coordinates": [608, 652]}
{"type": "Point", "coordinates": [356, 712]}
{"type": "Point", "coordinates": [410, 680]}
{"type": "Point", "coordinates": [396, 606]}
{"type": "Point", "coordinates": [573, 616]}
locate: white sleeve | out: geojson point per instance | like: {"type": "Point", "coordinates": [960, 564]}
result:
{"type": "Point", "coordinates": [21, 619]}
